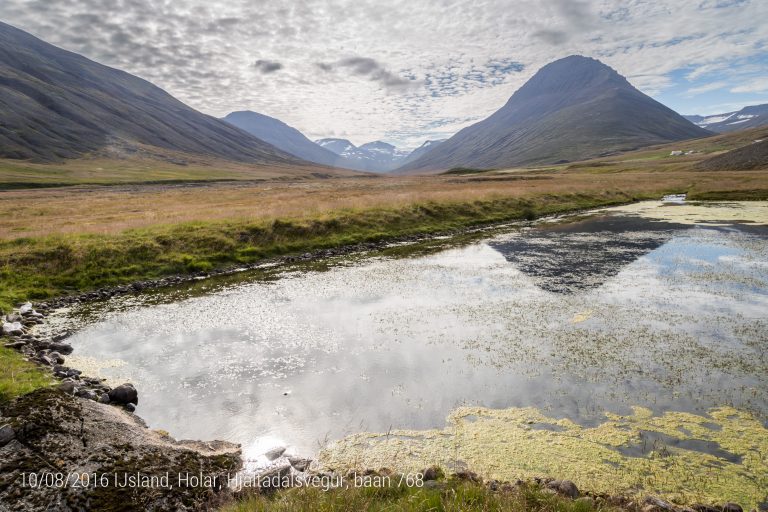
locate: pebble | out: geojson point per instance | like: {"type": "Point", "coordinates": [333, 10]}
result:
{"type": "Point", "coordinates": [6, 435]}
{"type": "Point", "coordinates": [654, 504]}
{"type": "Point", "coordinates": [68, 387]}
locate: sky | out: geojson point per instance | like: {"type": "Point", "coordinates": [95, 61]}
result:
{"type": "Point", "coordinates": [406, 71]}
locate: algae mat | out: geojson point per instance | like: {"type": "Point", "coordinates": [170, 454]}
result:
{"type": "Point", "coordinates": [684, 457]}
{"type": "Point", "coordinates": [699, 212]}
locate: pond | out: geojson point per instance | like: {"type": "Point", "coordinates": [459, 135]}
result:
{"type": "Point", "coordinates": [652, 305]}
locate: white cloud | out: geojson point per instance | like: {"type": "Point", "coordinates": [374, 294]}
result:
{"type": "Point", "coordinates": [756, 85]}
{"type": "Point", "coordinates": [701, 89]}
{"type": "Point", "coordinates": [205, 52]}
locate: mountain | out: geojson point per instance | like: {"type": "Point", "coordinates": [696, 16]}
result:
{"type": "Point", "coordinates": [341, 147]}
{"type": "Point", "coordinates": [56, 104]}
{"type": "Point", "coordinates": [571, 109]}
{"type": "Point", "coordinates": [747, 158]}
{"type": "Point", "coordinates": [374, 156]}
{"type": "Point", "coordinates": [421, 150]}
{"type": "Point", "coordinates": [384, 156]}
{"type": "Point", "coordinates": [748, 117]}
{"type": "Point", "coordinates": [282, 136]}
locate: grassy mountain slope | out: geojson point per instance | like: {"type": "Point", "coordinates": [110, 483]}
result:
{"type": "Point", "coordinates": [572, 109]}
{"type": "Point", "coordinates": [55, 104]}
{"type": "Point", "coordinates": [281, 136]}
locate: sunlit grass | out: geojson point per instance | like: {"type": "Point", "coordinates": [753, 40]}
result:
{"type": "Point", "coordinates": [18, 376]}
{"type": "Point", "coordinates": [448, 496]}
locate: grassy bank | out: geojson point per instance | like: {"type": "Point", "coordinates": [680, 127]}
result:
{"type": "Point", "coordinates": [450, 495]}
{"type": "Point", "coordinates": [42, 267]}
{"type": "Point", "coordinates": [18, 376]}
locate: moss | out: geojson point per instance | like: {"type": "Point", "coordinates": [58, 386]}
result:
{"type": "Point", "coordinates": [158, 462]}
{"type": "Point", "coordinates": [502, 444]}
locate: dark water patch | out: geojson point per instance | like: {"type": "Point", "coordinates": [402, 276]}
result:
{"type": "Point", "coordinates": [657, 442]}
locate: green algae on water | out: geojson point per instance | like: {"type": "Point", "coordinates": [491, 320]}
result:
{"type": "Point", "coordinates": [523, 443]}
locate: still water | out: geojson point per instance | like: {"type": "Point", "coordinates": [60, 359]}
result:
{"type": "Point", "coordinates": [628, 306]}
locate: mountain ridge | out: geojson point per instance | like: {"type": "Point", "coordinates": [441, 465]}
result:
{"type": "Point", "coordinates": [752, 116]}
{"type": "Point", "coordinates": [282, 136]}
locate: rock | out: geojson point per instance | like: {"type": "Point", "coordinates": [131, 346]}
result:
{"type": "Point", "coordinates": [732, 507]}
{"type": "Point", "coordinates": [130, 407]}
{"type": "Point", "coordinates": [26, 308]}
{"type": "Point", "coordinates": [275, 453]}
{"type": "Point", "coordinates": [13, 317]}
{"type": "Point", "coordinates": [61, 348]}
{"type": "Point", "coordinates": [124, 394]}
{"type": "Point", "coordinates": [78, 436]}
{"type": "Point", "coordinates": [431, 473]}
{"type": "Point", "coordinates": [568, 488]}
{"type": "Point", "coordinates": [12, 328]}
{"type": "Point", "coordinates": [467, 475]}
{"type": "Point", "coordinates": [15, 345]}
{"type": "Point", "coordinates": [299, 463]}
{"type": "Point", "coordinates": [87, 393]}
{"type": "Point", "coordinates": [68, 387]}
{"type": "Point", "coordinates": [564, 487]}
{"type": "Point", "coordinates": [654, 504]}
{"type": "Point", "coordinates": [56, 357]}
{"type": "Point", "coordinates": [45, 360]}
{"type": "Point", "coordinates": [104, 398]}
{"type": "Point", "coordinates": [6, 435]}
{"type": "Point", "coordinates": [274, 477]}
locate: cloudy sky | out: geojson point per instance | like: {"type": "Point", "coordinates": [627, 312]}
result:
{"type": "Point", "coordinates": [408, 70]}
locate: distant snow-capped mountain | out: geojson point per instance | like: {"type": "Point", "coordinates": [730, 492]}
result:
{"type": "Point", "coordinates": [748, 117]}
{"type": "Point", "coordinates": [374, 156]}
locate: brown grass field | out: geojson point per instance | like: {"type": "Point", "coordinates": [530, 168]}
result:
{"type": "Point", "coordinates": [109, 210]}
{"type": "Point", "coordinates": [110, 196]}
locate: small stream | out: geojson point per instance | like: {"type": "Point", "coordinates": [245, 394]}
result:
{"type": "Point", "coordinates": [610, 310]}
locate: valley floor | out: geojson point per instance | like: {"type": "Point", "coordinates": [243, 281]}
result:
{"type": "Point", "coordinates": [65, 240]}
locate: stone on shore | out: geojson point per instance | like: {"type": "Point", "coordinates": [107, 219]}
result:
{"type": "Point", "coordinates": [564, 487]}
{"type": "Point", "coordinates": [124, 394]}
{"type": "Point", "coordinates": [12, 328]}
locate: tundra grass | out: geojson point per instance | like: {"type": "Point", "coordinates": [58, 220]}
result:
{"type": "Point", "coordinates": [448, 496]}
{"type": "Point", "coordinates": [39, 268]}
{"type": "Point", "coordinates": [18, 376]}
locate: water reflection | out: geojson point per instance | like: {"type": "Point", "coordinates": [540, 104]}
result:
{"type": "Point", "coordinates": [666, 316]}
{"type": "Point", "coordinates": [569, 258]}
